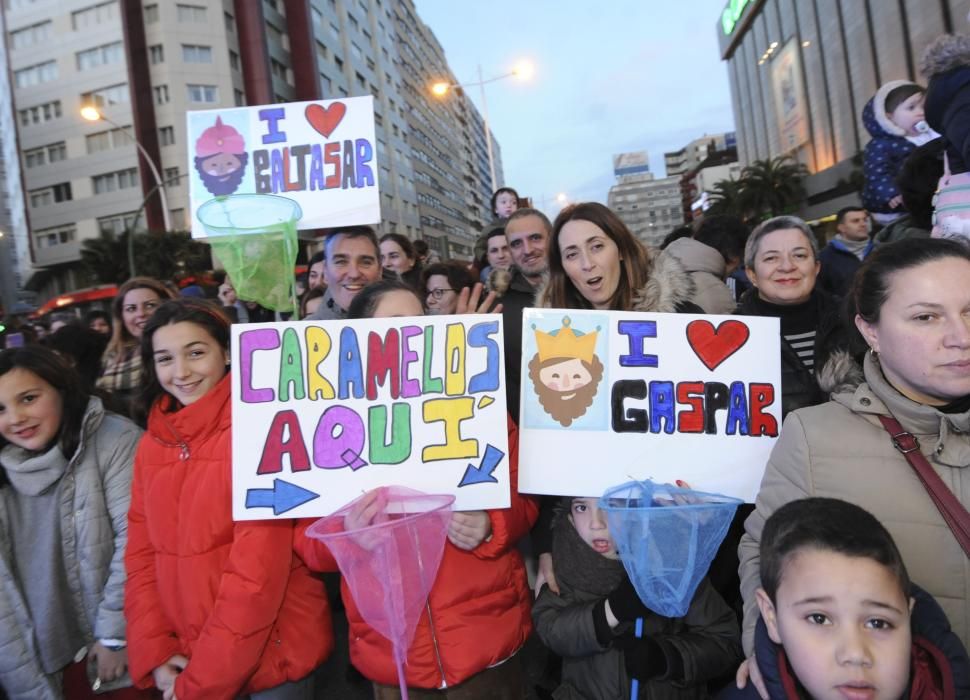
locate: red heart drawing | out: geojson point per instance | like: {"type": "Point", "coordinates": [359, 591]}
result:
{"type": "Point", "coordinates": [325, 119]}
{"type": "Point", "coordinates": [714, 346]}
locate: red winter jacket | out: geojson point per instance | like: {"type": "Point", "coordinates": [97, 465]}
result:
{"type": "Point", "coordinates": [231, 597]}
{"type": "Point", "coordinates": [478, 612]}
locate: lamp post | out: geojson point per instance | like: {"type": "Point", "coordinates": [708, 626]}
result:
{"type": "Point", "coordinates": [160, 187]}
{"type": "Point", "coordinates": [523, 70]}
{"type": "Point", "coordinates": [93, 114]}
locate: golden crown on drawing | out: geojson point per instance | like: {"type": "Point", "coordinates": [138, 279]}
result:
{"type": "Point", "coordinates": [565, 343]}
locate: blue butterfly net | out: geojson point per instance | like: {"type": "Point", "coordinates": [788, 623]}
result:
{"type": "Point", "coordinates": [667, 537]}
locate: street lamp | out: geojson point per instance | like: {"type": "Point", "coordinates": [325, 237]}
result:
{"type": "Point", "coordinates": [523, 70]}
{"type": "Point", "coordinates": [93, 114]}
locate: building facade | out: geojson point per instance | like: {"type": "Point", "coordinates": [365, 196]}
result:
{"type": "Point", "coordinates": [694, 153]}
{"type": "Point", "coordinates": [144, 64]}
{"type": "Point", "coordinates": [801, 73]}
{"type": "Point", "coordinates": [651, 208]}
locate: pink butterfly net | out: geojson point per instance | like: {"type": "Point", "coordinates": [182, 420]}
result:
{"type": "Point", "coordinates": [388, 545]}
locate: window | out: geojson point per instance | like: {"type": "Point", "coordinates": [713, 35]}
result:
{"type": "Point", "coordinates": [151, 14]}
{"type": "Point", "coordinates": [278, 69]}
{"type": "Point", "coordinates": [239, 97]}
{"type": "Point", "coordinates": [339, 62]}
{"type": "Point", "coordinates": [45, 154]}
{"type": "Point", "coordinates": [355, 50]}
{"type": "Point", "coordinates": [111, 95]}
{"type": "Point", "coordinates": [171, 177]}
{"type": "Point", "coordinates": [30, 36]}
{"type": "Point", "coordinates": [120, 180]}
{"type": "Point", "coordinates": [99, 56]}
{"type": "Point", "coordinates": [370, 63]}
{"type": "Point", "coordinates": [326, 85]}
{"type": "Point", "coordinates": [353, 22]}
{"type": "Point", "coordinates": [361, 82]}
{"type": "Point", "coordinates": [193, 53]}
{"type": "Point", "coordinates": [334, 30]}
{"type": "Point", "coordinates": [190, 13]}
{"type": "Point", "coordinates": [107, 140]}
{"type": "Point", "coordinates": [156, 54]}
{"type": "Point", "coordinates": [49, 195]}
{"type": "Point", "coordinates": [233, 60]}
{"type": "Point", "coordinates": [39, 114]}
{"type": "Point", "coordinates": [50, 237]}
{"type": "Point", "coordinates": [203, 93]}
{"type": "Point", "coordinates": [115, 225]}
{"type": "Point", "coordinates": [230, 22]}
{"type": "Point", "coordinates": [36, 74]}
{"type": "Point", "coordinates": [96, 14]}
{"type": "Point", "coordinates": [161, 94]}
{"type": "Point", "coordinates": [166, 135]}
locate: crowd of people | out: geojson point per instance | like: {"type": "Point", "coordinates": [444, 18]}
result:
{"type": "Point", "coordinates": [122, 572]}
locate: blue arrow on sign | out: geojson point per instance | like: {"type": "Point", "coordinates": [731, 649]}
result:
{"type": "Point", "coordinates": [282, 497]}
{"type": "Point", "coordinates": [482, 474]}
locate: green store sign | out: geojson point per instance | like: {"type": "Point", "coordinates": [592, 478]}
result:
{"type": "Point", "coordinates": [731, 15]}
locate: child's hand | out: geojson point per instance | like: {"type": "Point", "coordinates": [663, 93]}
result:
{"type": "Point", "coordinates": [469, 529]}
{"type": "Point", "coordinates": [166, 674]}
{"type": "Point", "coordinates": [364, 514]}
{"type": "Point", "coordinates": [896, 201]}
{"type": "Point", "coordinates": [749, 670]}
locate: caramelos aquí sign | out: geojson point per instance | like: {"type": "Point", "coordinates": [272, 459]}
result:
{"type": "Point", "coordinates": [731, 15]}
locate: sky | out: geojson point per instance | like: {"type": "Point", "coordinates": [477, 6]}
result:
{"type": "Point", "coordinates": [610, 76]}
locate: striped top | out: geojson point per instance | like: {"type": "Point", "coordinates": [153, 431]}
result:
{"type": "Point", "coordinates": [804, 346]}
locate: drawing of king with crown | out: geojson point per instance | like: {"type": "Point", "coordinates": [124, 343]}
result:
{"type": "Point", "coordinates": [565, 372]}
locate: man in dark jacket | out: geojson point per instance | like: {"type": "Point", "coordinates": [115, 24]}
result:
{"type": "Point", "coordinates": [528, 232]}
{"type": "Point", "coordinates": [846, 251]}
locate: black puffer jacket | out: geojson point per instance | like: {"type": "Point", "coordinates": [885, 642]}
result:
{"type": "Point", "coordinates": [946, 63]}
{"type": "Point", "coordinates": [799, 386]}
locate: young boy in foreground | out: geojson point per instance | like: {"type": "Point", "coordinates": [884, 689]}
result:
{"type": "Point", "coordinates": [840, 618]}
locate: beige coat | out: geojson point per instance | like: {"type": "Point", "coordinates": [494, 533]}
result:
{"type": "Point", "coordinates": [840, 450]}
{"type": "Point", "coordinates": [706, 269]}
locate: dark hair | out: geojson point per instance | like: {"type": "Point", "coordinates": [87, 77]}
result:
{"type": "Point", "coordinates": [309, 295]}
{"type": "Point", "coordinates": [917, 180]}
{"type": "Point", "coordinates": [499, 191]}
{"type": "Point", "coordinates": [870, 286]}
{"type": "Point", "coordinates": [56, 371]}
{"type": "Point", "coordinates": [94, 314]}
{"type": "Point", "coordinates": [84, 347]}
{"type": "Point", "coordinates": [352, 232]}
{"type": "Point", "coordinates": [826, 524]}
{"type": "Point", "coordinates": [458, 276]}
{"type": "Point", "coordinates": [900, 94]}
{"type": "Point", "coordinates": [404, 242]}
{"type": "Point", "coordinates": [420, 247]}
{"type": "Point", "coordinates": [201, 312]}
{"type": "Point", "coordinates": [367, 299]}
{"type": "Point", "coordinates": [685, 231]}
{"type": "Point", "coordinates": [635, 262]}
{"type": "Point", "coordinates": [840, 216]}
{"type": "Point", "coordinates": [317, 257]}
{"type": "Point", "coordinates": [726, 234]}
{"type": "Point", "coordinates": [523, 212]}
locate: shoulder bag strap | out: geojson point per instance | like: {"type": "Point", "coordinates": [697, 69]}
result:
{"type": "Point", "coordinates": [953, 512]}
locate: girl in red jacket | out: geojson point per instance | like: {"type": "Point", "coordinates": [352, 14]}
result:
{"type": "Point", "coordinates": [477, 616]}
{"type": "Point", "coordinates": [216, 608]}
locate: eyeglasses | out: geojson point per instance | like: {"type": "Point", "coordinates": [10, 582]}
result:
{"type": "Point", "coordinates": [438, 293]}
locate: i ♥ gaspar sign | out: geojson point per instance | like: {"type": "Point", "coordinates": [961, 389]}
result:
{"type": "Point", "coordinates": [610, 396]}
{"type": "Point", "coordinates": [319, 157]}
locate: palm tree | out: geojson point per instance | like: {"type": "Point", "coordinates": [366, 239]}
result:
{"type": "Point", "coordinates": [726, 198]}
{"type": "Point", "coordinates": [772, 187]}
